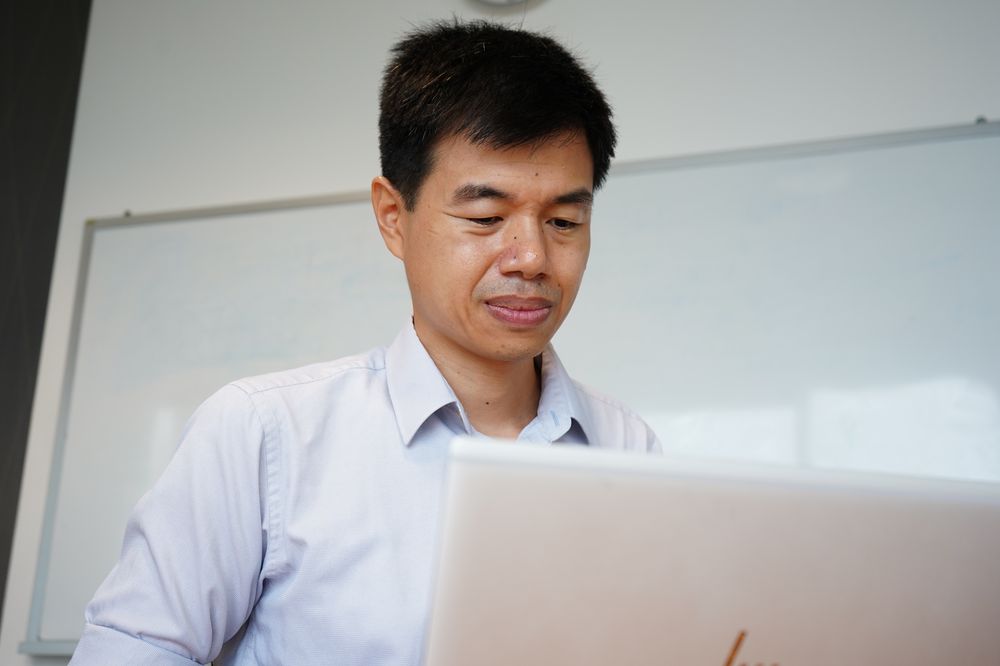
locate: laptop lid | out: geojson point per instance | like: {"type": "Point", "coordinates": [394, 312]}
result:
{"type": "Point", "coordinates": [572, 555]}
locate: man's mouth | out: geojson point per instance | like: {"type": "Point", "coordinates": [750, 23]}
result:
{"type": "Point", "coordinates": [518, 310]}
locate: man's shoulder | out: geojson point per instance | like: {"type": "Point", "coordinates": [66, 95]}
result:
{"type": "Point", "coordinates": [614, 423]}
{"type": "Point", "coordinates": [604, 405]}
{"type": "Point", "coordinates": [316, 375]}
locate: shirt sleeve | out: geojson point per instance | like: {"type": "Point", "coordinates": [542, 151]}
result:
{"type": "Point", "coordinates": [653, 443]}
{"type": "Point", "coordinates": [190, 569]}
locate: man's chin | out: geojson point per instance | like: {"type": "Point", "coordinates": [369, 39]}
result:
{"type": "Point", "coordinates": [518, 348]}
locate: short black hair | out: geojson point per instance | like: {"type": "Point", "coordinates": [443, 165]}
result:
{"type": "Point", "coordinates": [494, 85]}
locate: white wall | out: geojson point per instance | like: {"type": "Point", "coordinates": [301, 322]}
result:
{"type": "Point", "coordinates": [190, 103]}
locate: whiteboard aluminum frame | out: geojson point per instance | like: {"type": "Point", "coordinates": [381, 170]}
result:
{"type": "Point", "coordinates": [34, 644]}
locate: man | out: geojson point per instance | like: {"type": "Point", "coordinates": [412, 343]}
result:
{"type": "Point", "coordinates": [296, 523]}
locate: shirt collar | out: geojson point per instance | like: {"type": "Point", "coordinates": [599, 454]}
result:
{"type": "Point", "coordinates": [417, 389]}
{"type": "Point", "coordinates": [560, 399]}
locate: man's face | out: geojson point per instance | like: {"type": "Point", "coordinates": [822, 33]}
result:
{"type": "Point", "coordinates": [496, 245]}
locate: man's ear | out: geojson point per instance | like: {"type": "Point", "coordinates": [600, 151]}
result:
{"type": "Point", "coordinates": [390, 210]}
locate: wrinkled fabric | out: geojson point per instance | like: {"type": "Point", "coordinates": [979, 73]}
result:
{"type": "Point", "coordinates": [298, 519]}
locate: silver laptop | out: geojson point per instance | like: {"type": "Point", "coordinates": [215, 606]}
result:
{"type": "Point", "coordinates": [566, 555]}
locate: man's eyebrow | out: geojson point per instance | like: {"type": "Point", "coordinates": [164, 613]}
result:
{"type": "Point", "coordinates": [473, 191]}
{"type": "Point", "coordinates": [582, 196]}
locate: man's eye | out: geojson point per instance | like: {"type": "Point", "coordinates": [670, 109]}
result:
{"type": "Point", "coordinates": [564, 224]}
{"type": "Point", "coordinates": [485, 221]}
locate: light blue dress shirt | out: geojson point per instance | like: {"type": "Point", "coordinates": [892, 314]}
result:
{"type": "Point", "coordinates": [297, 522]}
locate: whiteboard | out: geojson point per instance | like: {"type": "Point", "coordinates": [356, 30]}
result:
{"type": "Point", "coordinates": [834, 304]}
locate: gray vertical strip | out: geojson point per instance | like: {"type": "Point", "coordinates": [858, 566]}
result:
{"type": "Point", "coordinates": [55, 476]}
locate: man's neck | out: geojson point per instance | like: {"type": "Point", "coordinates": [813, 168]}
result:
{"type": "Point", "coordinates": [499, 397]}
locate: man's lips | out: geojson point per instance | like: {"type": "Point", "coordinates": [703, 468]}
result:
{"type": "Point", "coordinates": [518, 310]}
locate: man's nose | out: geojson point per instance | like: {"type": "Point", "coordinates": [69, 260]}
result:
{"type": "Point", "coordinates": [524, 250]}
